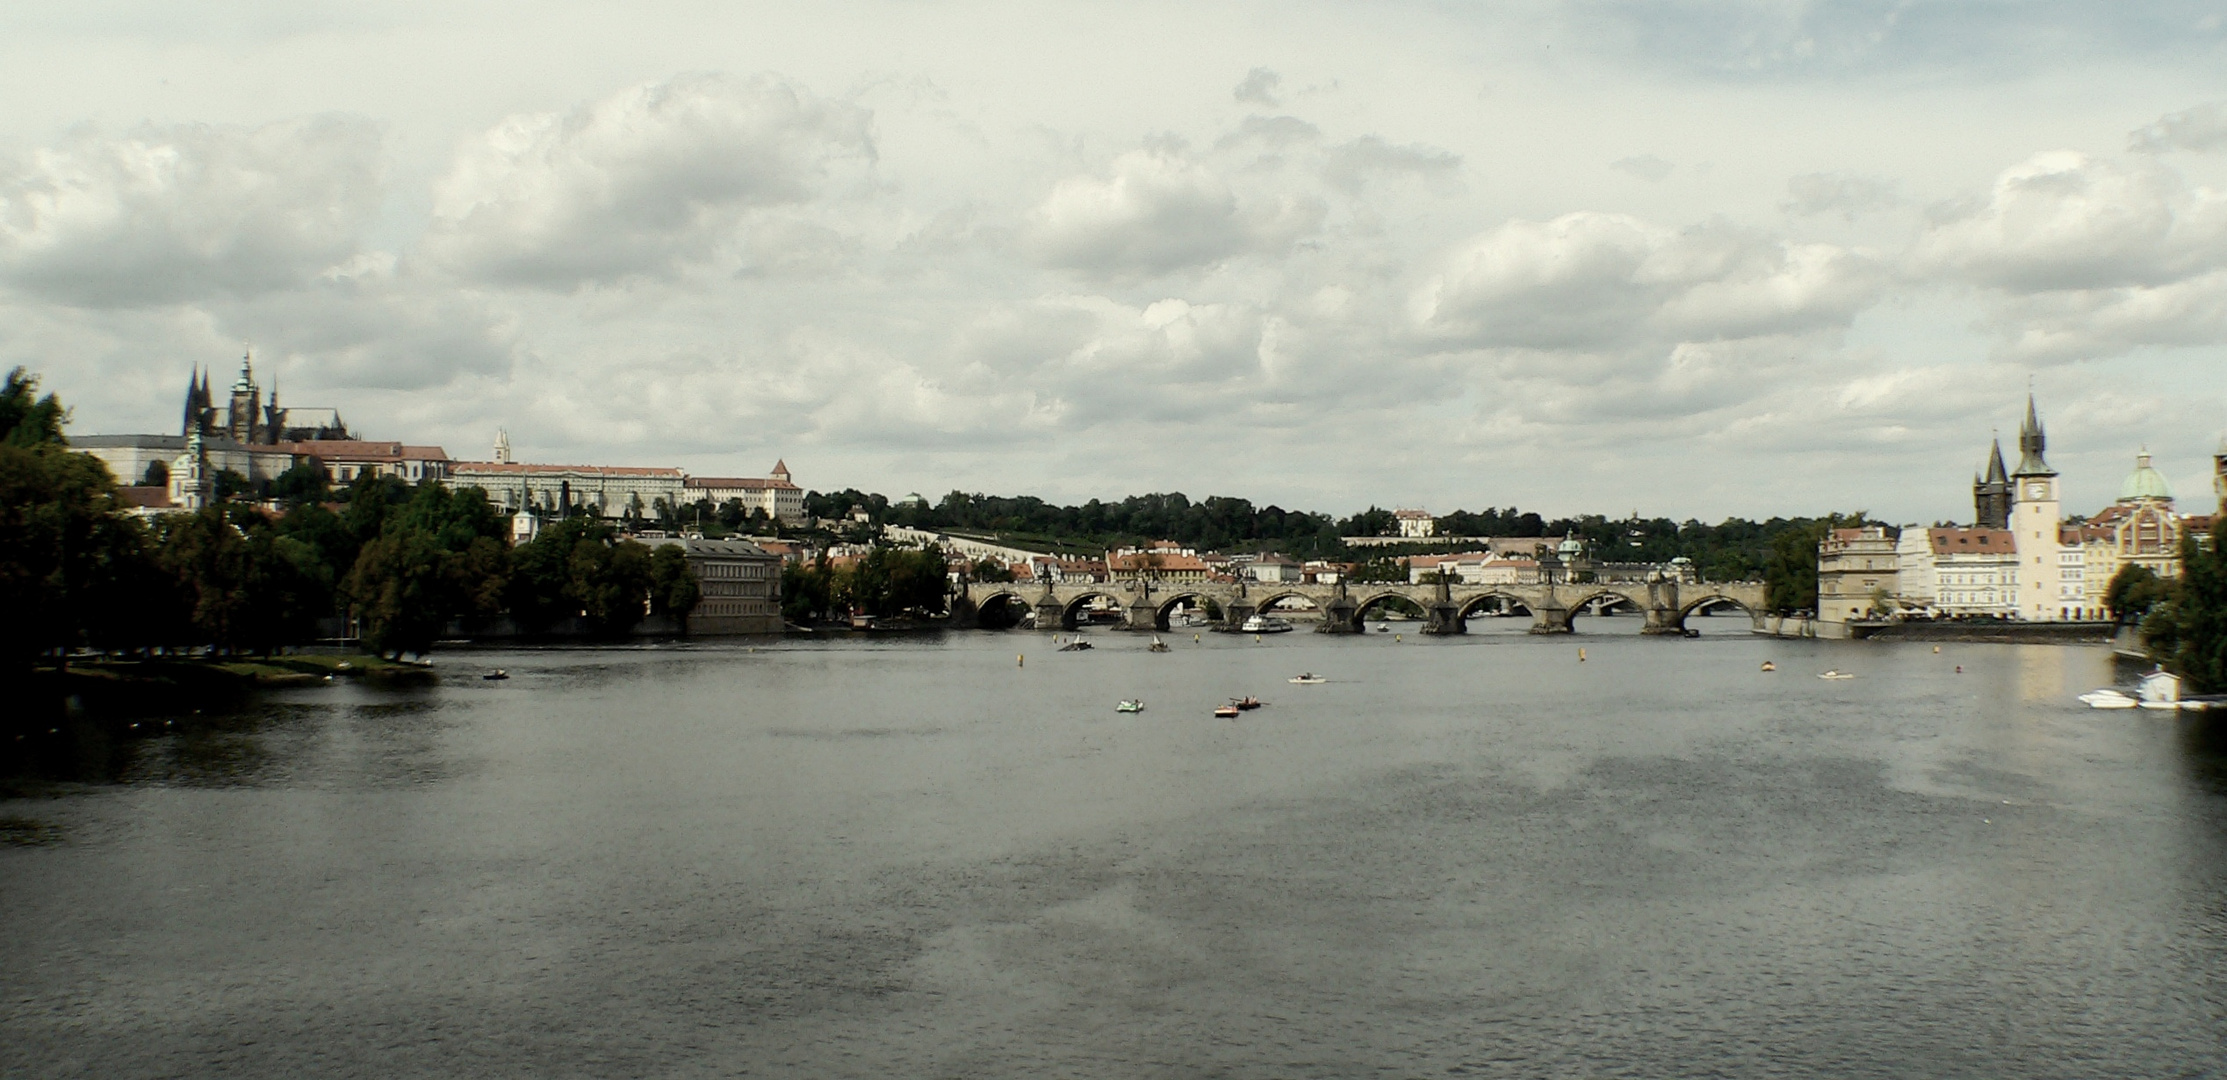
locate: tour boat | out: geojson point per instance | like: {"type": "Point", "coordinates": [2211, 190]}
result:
{"type": "Point", "coordinates": [1247, 702]}
{"type": "Point", "coordinates": [2107, 698]}
{"type": "Point", "coordinates": [1226, 711]}
{"type": "Point", "coordinates": [1308, 679]}
{"type": "Point", "coordinates": [1132, 705]}
{"type": "Point", "coordinates": [1265, 624]}
{"type": "Point", "coordinates": [1835, 675]}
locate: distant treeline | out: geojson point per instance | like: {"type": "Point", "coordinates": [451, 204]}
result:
{"type": "Point", "coordinates": [404, 562]}
{"type": "Point", "coordinates": [1732, 550]}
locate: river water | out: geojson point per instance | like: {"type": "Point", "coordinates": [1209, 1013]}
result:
{"type": "Point", "coordinates": [922, 856]}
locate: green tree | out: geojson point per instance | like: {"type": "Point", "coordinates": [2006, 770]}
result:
{"type": "Point", "coordinates": [2188, 629]}
{"type": "Point", "coordinates": [807, 590]}
{"type": "Point", "coordinates": [1791, 573]}
{"type": "Point", "coordinates": [2133, 591]}
{"type": "Point", "coordinates": [58, 526]}
{"type": "Point", "coordinates": [439, 557]}
{"type": "Point", "coordinates": [674, 589]}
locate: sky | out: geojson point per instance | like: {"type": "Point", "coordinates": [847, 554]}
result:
{"type": "Point", "coordinates": [1690, 259]}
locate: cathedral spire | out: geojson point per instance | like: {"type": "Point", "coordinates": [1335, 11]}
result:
{"type": "Point", "coordinates": [2031, 442]}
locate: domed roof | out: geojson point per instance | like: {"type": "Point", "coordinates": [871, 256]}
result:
{"type": "Point", "coordinates": [1571, 545]}
{"type": "Point", "coordinates": [2144, 482]}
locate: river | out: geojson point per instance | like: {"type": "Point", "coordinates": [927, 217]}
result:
{"type": "Point", "coordinates": [947, 856]}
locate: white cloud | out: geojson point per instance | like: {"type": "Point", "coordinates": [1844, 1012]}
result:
{"type": "Point", "coordinates": [2203, 127]}
{"type": "Point", "coordinates": [1592, 281]}
{"type": "Point", "coordinates": [644, 182]}
{"type": "Point", "coordinates": [1159, 210]}
{"type": "Point", "coordinates": [1838, 193]}
{"type": "Point", "coordinates": [1646, 167]}
{"type": "Point", "coordinates": [187, 212]}
{"type": "Point", "coordinates": [2066, 220]}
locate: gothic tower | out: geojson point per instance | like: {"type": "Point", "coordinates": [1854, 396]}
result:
{"type": "Point", "coordinates": [240, 419]}
{"type": "Point", "coordinates": [2035, 516]}
{"type": "Point", "coordinates": [1991, 496]}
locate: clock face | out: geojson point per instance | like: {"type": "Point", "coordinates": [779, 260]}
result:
{"type": "Point", "coordinates": [2037, 492]}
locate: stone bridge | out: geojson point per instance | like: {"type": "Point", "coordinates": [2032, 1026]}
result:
{"type": "Point", "coordinates": [1446, 608]}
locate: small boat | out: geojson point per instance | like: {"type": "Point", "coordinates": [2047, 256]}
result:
{"type": "Point", "coordinates": [1131, 705]}
{"type": "Point", "coordinates": [1247, 702]}
{"type": "Point", "coordinates": [1835, 675]}
{"type": "Point", "coordinates": [1228, 712]}
{"type": "Point", "coordinates": [2107, 698]}
{"type": "Point", "coordinates": [1077, 645]}
{"type": "Point", "coordinates": [1157, 645]}
{"type": "Point", "coordinates": [1308, 678]}
{"type": "Point", "coordinates": [1689, 632]}
{"type": "Point", "coordinates": [498, 673]}
{"type": "Point", "coordinates": [1769, 666]}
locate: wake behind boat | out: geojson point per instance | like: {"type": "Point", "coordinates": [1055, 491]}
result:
{"type": "Point", "coordinates": [1835, 674]}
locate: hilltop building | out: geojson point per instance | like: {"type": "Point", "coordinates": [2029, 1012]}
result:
{"type": "Point", "coordinates": [775, 494]}
{"type": "Point", "coordinates": [1415, 524]}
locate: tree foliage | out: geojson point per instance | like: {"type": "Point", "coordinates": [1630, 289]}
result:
{"type": "Point", "coordinates": [2187, 628]}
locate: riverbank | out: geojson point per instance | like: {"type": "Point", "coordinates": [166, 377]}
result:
{"type": "Point", "coordinates": [2007, 632]}
{"type": "Point", "coordinates": [110, 686]}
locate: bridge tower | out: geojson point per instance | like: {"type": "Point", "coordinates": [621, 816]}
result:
{"type": "Point", "coordinates": [1050, 613]}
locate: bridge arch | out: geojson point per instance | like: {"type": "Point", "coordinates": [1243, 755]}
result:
{"type": "Point", "coordinates": [1716, 599]}
{"type": "Point", "coordinates": [1165, 609]}
{"type": "Point", "coordinates": [1508, 601]}
{"type": "Point", "coordinates": [1002, 609]}
{"type": "Point", "coordinates": [1075, 604]}
{"type": "Point", "coordinates": [1397, 599]}
{"type": "Point", "coordinates": [1272, 599]}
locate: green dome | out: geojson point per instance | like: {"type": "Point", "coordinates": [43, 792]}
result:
{"type": "Point", "coordinates": [2144, 482]}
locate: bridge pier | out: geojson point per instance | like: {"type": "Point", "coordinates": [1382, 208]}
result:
{"type": "Point", "coordinates": [1237, 611]}
{"type": "Point", "coordinates": [1443, 617]}
{"type": "Point", "coordinates": [1550, 617]}
{"type": "Point", "coordinates": [1050, 613]}
{"type": "Point", "coordinates": [964, 615]}
{"type": "Point", "coordinates": [1144, 615]}
{"type": "Point", "coordinates": [1338, 616]}
{"type": "Point", "coordinates": [1662, 609]}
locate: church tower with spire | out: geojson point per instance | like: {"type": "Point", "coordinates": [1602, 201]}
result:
{"type": "Point", "coordinates": [1991, 494]}
{"type": "Point", "coordinates": [2035, 517]}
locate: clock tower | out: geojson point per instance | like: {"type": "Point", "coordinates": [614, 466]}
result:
{"type": "Point", "coordinates": [2035, 515]}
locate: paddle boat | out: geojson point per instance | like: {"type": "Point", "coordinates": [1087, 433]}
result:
{"type": "Point", "coordinates": [1769, 666]}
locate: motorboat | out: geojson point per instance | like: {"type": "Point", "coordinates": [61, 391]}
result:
{"type": "Point", "coordinates": [1157, 645]}
{"type": "Point", "coordinates": [2107, 698]}
{"type": "Point", "coordinates": [1077, 645]}
{"type": "Point", "coordinates": [1131, 705]}
{"type": "Point", "coordinates": [1227, 712]}
{"type": "Point", "coordinates": [1265, 624]}
{"type": "Point", "coordinates": [1769, 666]}
{"type": "Point", "coordinates": [498, 673]}
{"type": "Point", "coordinates": [1835, 675]}
{"type": "Point", "coordinates": [1308, 678]}
{"type": "Point", "coordinates": [1247, 702]}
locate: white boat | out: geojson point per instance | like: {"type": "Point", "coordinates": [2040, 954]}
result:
{"type": "Point", "coordinates": [1308, 679]}
{"type": "Point", "coordinates": [1264, 624]}
{"type": "Point", "coordinates": [1132, 705]}
{"type": "Point", "coordinates": [2107, 698]}
{"type": "Point", "coordinates": [1835, 675]}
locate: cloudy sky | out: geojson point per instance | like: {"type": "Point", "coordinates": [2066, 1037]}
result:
{"type": "Point", "coordinates": [1688, 258]}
